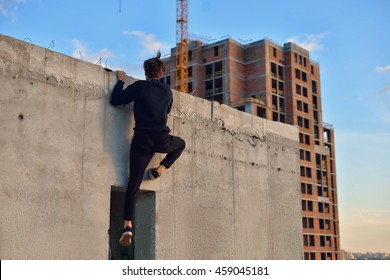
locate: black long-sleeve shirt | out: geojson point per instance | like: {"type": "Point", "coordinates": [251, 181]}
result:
{"type": "Point", "coordinates": [152, 103]}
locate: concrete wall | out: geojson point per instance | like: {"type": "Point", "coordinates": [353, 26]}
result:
{"type": "Point", "coordinates": [233, 194]}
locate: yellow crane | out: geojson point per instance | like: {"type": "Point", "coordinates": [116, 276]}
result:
{"type": "Point", "coordinates": [182, 45]}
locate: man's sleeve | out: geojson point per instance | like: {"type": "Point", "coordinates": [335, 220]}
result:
{"type": "Point", "coordinates": [122, 96]}
{"type": "Point", "coordinates": [170, 105]}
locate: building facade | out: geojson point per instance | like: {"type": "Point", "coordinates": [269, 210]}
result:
{"type": "Point", "coordinates": [279, 83]}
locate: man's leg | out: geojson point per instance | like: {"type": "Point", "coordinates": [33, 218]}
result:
{"type": "Point", "coordinates": [173, 146]}
{"type": "Point", "coordinates": [140, 157]}
{"type": "Point", "coordinates": [138, 164]}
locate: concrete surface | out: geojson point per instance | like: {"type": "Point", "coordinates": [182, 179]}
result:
{"type": "Point", "coordinates": [233, 194]}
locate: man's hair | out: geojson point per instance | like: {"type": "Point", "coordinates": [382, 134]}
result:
{"type": "Point", "coordinates": [154, 67]}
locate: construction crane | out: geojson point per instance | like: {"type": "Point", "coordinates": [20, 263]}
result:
{"type": "Point", "coordinates": [182, 45]}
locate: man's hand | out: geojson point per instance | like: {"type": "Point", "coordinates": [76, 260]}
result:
{"type": "Point", "coordinates": [121, 75]}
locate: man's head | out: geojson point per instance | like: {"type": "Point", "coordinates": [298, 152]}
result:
{"type": "Point", "coordinates": [154, 67]}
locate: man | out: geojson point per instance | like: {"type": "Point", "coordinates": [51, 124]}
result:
{"type": "Point", "coordinates": [152, 103]}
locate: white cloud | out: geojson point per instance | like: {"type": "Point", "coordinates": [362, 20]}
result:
{"type": "Point", "coordinates": [310, 42]}
{"type": "Point", "coordinates": [81, 51]}
{"type": "Point", "coordinates": [384, 91]}
{"type": "Point", "coordinates": [7, 7]}
{"type": "Point", "coordinates": [149, 42]}
{"type": "Point", "coordinates": [383, 69]}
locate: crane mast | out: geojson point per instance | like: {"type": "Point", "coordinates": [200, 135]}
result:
{"type": "Point", "coordinates": [182, 45]}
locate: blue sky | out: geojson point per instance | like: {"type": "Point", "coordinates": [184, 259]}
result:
{"type": "Point", "coordinates": [350, 39]}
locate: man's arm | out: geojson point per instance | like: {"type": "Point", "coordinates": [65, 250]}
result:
{"type": "Point", "coordinates": [170, 105]}
{"type": "Point", "coordinates": [120, 96]}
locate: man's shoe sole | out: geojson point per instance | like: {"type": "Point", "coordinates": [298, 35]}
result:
{"type": "Point", "coordinates": [125, 239]}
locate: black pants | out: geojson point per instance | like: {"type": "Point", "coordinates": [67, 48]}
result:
{"type": "Point", "coordinates": [143, 147]}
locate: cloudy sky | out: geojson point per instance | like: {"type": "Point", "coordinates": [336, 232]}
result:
{"type": "Point", "coordinates": [350, 40]}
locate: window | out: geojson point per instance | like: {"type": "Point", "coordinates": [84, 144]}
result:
{"type": "Point", "coordinates": [322, 224]}
{"type": "Point", "coordinates": [307, 139]}
{"type": "Point", "coordinates": [241, 108]}
{"type": "Point", "coordinates": [218, 85]}
{"type": "Point", "coordinates": [274, 51]}
{"type": "Point", "coordinates": [308, 222]}
{"type": "Point", "coordinates": [300, 121]}
{"type": "Point", "coordinates": [310, 206]}
{"type": "Point", "coordinates": [216, 51]}
{"type": "Point", "coordinates": [304, 139]}
{"type": "Point", "coordinates": [319, 189]}
{"type": "Point", "coordinates": [328, 241]}
{"type": "Point", "coordinates": [305, 155]}
{"type": "Point", "coordinates": [306, 107]}
{"type": "Point", "coordinates": [306, 188]}
{"type": "Point", "coordinates": [307, 205]}
{"type": "Point", "coordinates": [297, 74]}
{"type": "Point", "coordinates": [209, 87]}
{"type": "Point", "coordinates": [304, 76]}
{"type": "Point", "coordinates": [215, 97]}
{"type": "Point", "coordinates": [309, 188]}
{"type": "Point", "coordinates": [308, 155]}
{"type": "Point", "coordinates": [166, 80]}
{"type": "Point", "coordinates": [190, 71]}
{"type": "Point", "coordinates": [308, 172]}
{"type": "Point", "coordinates": [320, 207]}
{"type": "Point", "coordinates": [304, 61]}
{"type": "Point", "coordinates": [306, 123]}
{"type": "Point", "coordinates": [280, 72]}
{"type": "Point", "coordinates": [304, 91]}
{"type": "Point", "coordinates": [298, 89]}
{"type": "Point", "coordinates": [299, 105]}
{"type": "Point", "coordinates": [312, 240]}
{"type": "Point", "coordinates": [314, 87]}
{"type": "Point", "coordinates": [274, 102]}
{"type": "Point", "coordinates": [275, 116]}
{"type": "Point", "coordinates": [322, 243]}
{"type": "Point", "coordinates": [209, 71]}
{"type": "Point", "coordinates": [274, 85]}
{"type": "Point", "coordinates": [326, 207]}
{"type": "Point", "coordinates": [281, 87]}
{"type": "Point", "coordinates": [261, 112]}
{"type": "Point", "coordinates": [218, 68]}
{"type": "Point", "coordinates": [273, 69]}
{"type": "Point", "coordinates": [306, 240]}
{"type": "Point", "coordinates": [316, 132]}
{"type": "Point", "coordinates": [315, 103]}
{"type": "Point", "coordinates": [190, 56]}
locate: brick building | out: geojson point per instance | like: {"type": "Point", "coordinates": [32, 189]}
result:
{"type": "Point", "coordinates": [279, 83]}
